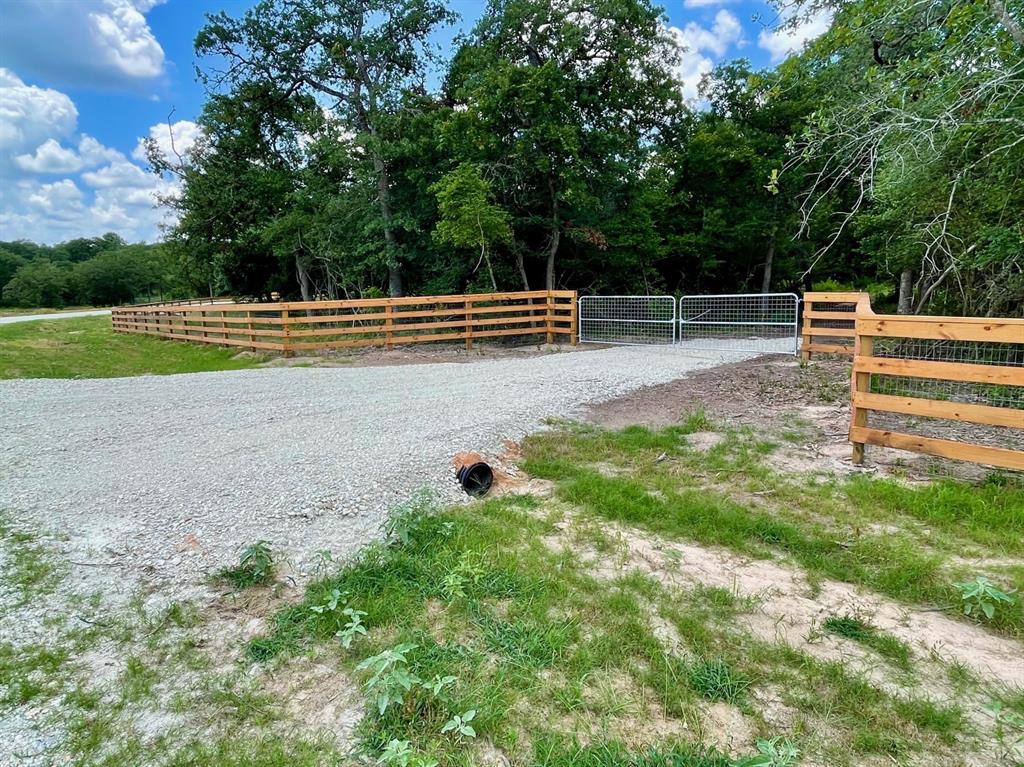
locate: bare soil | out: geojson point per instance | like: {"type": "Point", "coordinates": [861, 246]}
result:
{"type": "Point", "coordinates": [772, 394]}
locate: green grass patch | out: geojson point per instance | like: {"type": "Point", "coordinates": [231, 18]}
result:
{"type": "Point", "coordinates": [87, 348]}
{"type": "Point", "coordinates": [859, 530]}
{"type": "Point", "coordinates": [469, 610]}
{"type": "Point", "coordinates": [889, 647]}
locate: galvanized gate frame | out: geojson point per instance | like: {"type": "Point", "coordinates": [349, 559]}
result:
{"type": "Point", "coordinates": [639, 320]}
{"type": "Point", "coordinates": [721, 325]}
{"type": "Point", "coordinates": [736, 311]}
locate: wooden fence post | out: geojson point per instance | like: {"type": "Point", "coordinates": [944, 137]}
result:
{"type": "Point", "coordinates": [468, 317]}
{"type": "Point", "coordinates": [574, 318]}
{"type": "Point", "coordinates": [286, 334]}
{"type": "Point", "coordinates": [805, 336]}
{"type": "Point", "coordinates": [252, 333]}
{"type": "Point", "coordinates": [389, 326]}
{"type": "Point", "coordinates": [863, 346]}
{"type": "Point", "coordinates": [549, 318]}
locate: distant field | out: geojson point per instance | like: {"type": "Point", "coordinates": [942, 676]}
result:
{"type": "Point", "coordinates": [87, 348]}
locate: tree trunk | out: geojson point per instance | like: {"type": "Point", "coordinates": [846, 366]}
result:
{"type": "Point", "coordinates": [305, 283]}
{"type": "Point", "coordinates": [522, 269]}
{"type": "Point", "coordinates": [766, 282]}
{"type": "Point", "coordinates": [390, 243]}
{"type": "Point", "coordinates": [906, 300]}
{"type": "Point", "coordinates": [769, 258]}
{"type": "Point", "coordinates": [556, 236]}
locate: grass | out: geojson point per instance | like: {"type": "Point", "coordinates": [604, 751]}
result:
{"type": "Point", "coordinates": [532, 614]}
{"type": "Point", "coordinates": [905, 542]}
{"type": "Point", "coordinates": [88, 348]}
{"type": "Point", "coordinates": [551, 657]}
{"type": "Point", "coordinates": [889, 647]}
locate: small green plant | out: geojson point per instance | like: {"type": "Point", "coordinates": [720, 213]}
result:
{"type": "Point", "coordinates": [460, 725]}
{"type": "Point", "coordinates": [981, 595]}
{"type": "Point", "coordinates": [391, 679]}
{"type": "Point", "coordinates": [399, 753]}
{"type": "Point", "coordinates": [716, 680]}
{"type": "Point", "coordinates": [859, 630]}
{"type": "Point", "coordinates": [1009, 724]}
{"type": "Point", "coordinates": [255, 567]}
{"type": "Point", "coordinates": [777, 752]}
{"type": "Point", "coordinates": [347, 633]}
{"type": "Point", "coordinates": [330, 604]}
{"type": "Point", "coordinates": [438, 684]}
{"type": "Point", "coordinates": [405, 519]}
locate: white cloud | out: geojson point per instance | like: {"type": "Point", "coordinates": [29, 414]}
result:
{"type": "Point", "coordinates": [178, 138]}
{"type": "Point", "coordinates": [787, 39]}
{"type": "Point", "coordinates": [101, 190]}
{"type": "Point", "coordinates": [95, 43]}
{"type": "Point", "coordinates": [699, 44]}
{"type": "Point", "coordinates": [51, 157]}
{"type": "Point", "coordinates": [29, 114]}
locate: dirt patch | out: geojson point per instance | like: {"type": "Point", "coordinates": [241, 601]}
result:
{"type": "Point", "coordinates": [318, 698]}
{"type": "Point", "coordinates": [805, 405]}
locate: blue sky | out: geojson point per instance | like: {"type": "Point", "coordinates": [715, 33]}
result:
{"type": "Point", "coordinates": [82, 81]}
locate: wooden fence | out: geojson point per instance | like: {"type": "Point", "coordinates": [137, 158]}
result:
{"type": "Point", "coordinates": [311, 325]}
{"type": "Point", "coordinates": [828, 325]}
{"type": "Point", "coordinates": [968, 369]}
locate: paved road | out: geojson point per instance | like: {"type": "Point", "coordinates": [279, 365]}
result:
{"type": "Point", "coordinates": [169, 475]}
{"type": "Point", "coordinates": [53, 316]}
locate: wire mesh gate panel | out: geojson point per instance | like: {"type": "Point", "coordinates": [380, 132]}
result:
{"type": "Point", "coordinates": [751, 322]}
{"type": "Point", "coordinates": [637, 320]}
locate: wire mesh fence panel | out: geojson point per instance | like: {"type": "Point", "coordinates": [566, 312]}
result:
{"type": "Point", "coordinates": [632, 320]}
{"type": "Point", "coordinates": [1006, 396]}
{"type": "Point", "coordinates": [752, 322]}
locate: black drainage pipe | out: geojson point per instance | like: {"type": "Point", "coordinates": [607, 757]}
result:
{"type": "Point", "coordinates": [476, 479]}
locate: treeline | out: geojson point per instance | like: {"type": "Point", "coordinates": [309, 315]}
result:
{"type": "Point", "coordinates": [96, 271]}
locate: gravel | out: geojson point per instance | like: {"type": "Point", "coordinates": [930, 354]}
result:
{"type": "Point", "coordinates": [161, 479]}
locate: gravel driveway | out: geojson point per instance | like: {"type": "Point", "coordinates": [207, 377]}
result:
{"type": "Point", "coordinates": [161, 479]}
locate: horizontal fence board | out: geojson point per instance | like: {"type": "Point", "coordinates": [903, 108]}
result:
{"type": "Point", "coordinates": [934, 328]}
{"type": "Point", "coordinates": [955, 371]}
{"type": "Point", "coordinates": [943, 448]}
{"type": "Point", "coordinates": [835, 332]}
{"type": "Point", "coordinates": [833, 298]}
{"type": "Point", "coordinates": [933, 408]}
{"type": "Point", "coordinates": [827, 348]}
{"type": "Point", "coordinates": [812, 314]}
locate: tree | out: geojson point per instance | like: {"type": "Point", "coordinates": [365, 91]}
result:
{"type": "Point", "coordinates": [469, 219]}
{"type": "Point", "coordinates": [563, 100]}
{"type": "Point", "coordinates": [360, 55]}
{"type": "Point", "coordinates": [931, 147]}
{"type": "Point", "coordinates": [9, 264]}
{"type": "Point", "coordinates": [38, 283]}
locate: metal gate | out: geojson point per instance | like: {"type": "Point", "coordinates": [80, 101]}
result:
{"type": "Point", "coordinates": [751, 322]}
{"type": "Point", "coordinates": [634, 320]}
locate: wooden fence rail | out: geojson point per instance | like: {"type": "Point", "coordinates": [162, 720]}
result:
{"type": "Point", "coordinates": [310, 325]}
{"type": "Point", "coordinates": [828, 325]}
{"type": "Point", "coordinates": [967, 369]}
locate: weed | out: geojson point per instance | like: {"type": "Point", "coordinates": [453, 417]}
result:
{"type": "Point", "coordinates": [390, 679]}
{"type": "Point", "coordinates": [347, 633]}
{"type": "Point", "coordinates": [399, 753]}
{"type": "Point", "coordinates": [777, 752]}
{"type": "Point", "coordinates": [981, 595]}
{"type": "Point", "coordinates": [886, 645]}
{"type": "Point", "coordinates": [460, 725]}
{"type": "Point", "coordinates": [714, 679]}
{"type": "Point", "coordinates": [255, 567]}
